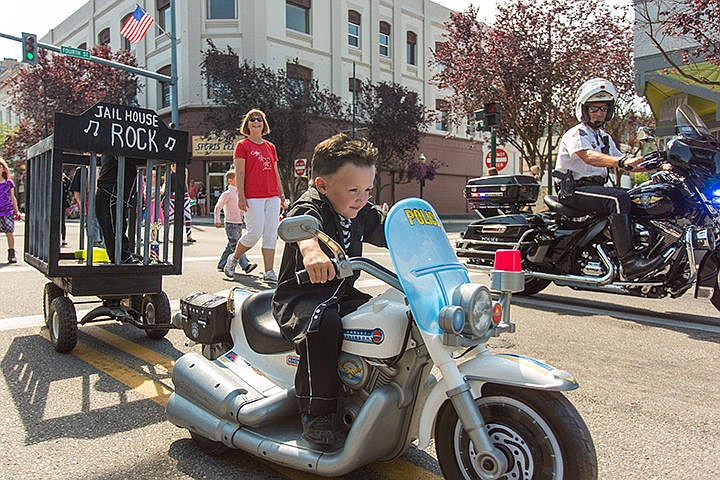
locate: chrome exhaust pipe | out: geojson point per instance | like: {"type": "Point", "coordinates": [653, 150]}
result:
{"type": "Point", "coordinates": [367, 441]}
{"type": "Point", "coordinates": [567, 279]}
{"type": "Point", "coordinates": [228, 396]}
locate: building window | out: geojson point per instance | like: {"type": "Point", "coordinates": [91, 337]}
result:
{"type": "Point", "coordinates": [298, 76]}
{"type": "Point", "coordinates": [124, 42]}
{"type": "Point", "coordinates": [82, 46]}
{"type": "Point", "coordinates": [219, 9]}
{"type": "Point", "coordinates": [164, 88]}
{"type": "Point", "coordinates": [411, 48]}
{"type": "Point", "coordinates": [443, 112]}
{"type": "Point", "coordinates": [384, 39]}
{"type": "Point", "coordinates": [104, 37]}
{"type": "Point", "coordinates": [163, 14]}
{"type": "Point", "coordinates": [439, 67]}
{"type": "Point", "coordinates": [353, 28]}
{"type": "Point", "coordinates": [297, 15]}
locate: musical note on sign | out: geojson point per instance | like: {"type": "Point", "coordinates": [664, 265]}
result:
{"type": "Point", "coordinates": [90, 125]}
{"type": "Point", "coordinates": [170, 144]}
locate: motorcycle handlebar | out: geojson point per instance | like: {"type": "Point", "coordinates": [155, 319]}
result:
{"type": "Point", "coordinates": [359, 264]}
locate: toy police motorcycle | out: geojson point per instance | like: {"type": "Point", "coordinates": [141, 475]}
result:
{"type": "Point", "coordinates": [674, 216]}
{"type": "Point", "coordinates": [493, 416]}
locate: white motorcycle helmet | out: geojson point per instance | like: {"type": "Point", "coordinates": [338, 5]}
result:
{"type": "Point", "coordinates": [595, 90]}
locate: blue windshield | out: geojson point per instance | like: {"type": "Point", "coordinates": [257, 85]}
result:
{"type": "Point", "coordinates": [426, 264]}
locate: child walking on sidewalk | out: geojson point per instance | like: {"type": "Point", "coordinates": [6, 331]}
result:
{"type": "Point", "coordinates": [9, 211]}
{"type": "Point", "coordinates": [228, 203]}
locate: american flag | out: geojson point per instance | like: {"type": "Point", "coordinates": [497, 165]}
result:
{"type": "Point", "coordinates": [136, 25]}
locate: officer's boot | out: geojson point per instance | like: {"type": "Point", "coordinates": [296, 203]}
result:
{"type": "Point", "coordinates": [11, 256]}
{"type": "Point", "coordinates": [633, 264]}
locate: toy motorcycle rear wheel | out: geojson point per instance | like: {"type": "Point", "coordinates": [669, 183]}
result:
{"type": "Point", "coordinates": [207, 446]}
{"type": "Point", "coordinates": [541, 434]}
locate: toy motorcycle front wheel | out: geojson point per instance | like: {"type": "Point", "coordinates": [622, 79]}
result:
{"type": "Point", "coordinates": [540, 433]}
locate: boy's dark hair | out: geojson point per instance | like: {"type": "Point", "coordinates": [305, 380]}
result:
{"type": "Point", "coordinates": [332, 153]}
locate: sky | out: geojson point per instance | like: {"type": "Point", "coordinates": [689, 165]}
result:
{"type": "Point", "coordinates": [47, 14]}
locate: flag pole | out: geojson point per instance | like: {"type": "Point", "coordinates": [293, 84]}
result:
{"type": "Point", "coordinates": [173, 68]}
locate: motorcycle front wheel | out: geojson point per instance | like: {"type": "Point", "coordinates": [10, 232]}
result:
{"type": "Point", "coordinates": [540, 433]}
{"type": "Point", "coordinates": [533, 286]}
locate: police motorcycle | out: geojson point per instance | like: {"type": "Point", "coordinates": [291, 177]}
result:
{"type": "Point", "coordinates": [415, 364]}
{"type": "Point", "coordinates": [674, 215]}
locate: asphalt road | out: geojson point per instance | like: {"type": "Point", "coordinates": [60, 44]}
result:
{"type": "Point", "coordinates": [648, 375]}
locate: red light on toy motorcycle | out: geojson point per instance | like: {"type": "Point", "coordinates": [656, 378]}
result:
{"type": "Point", "coordinates": [496, 313]}
{"type": "Point", "coordinates": [507, 260]}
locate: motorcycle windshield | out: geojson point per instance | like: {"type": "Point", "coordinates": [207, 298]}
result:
{"type": "Point", "coordinates": [688, 124]}
{"type": "Point", "coordinates": [428, 269]}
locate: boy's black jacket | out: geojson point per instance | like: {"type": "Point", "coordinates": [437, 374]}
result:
{"type": "Point", "coordinates": [294, 304]}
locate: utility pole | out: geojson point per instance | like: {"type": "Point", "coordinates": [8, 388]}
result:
{"type": "Point", "coordinates": [174, 114]}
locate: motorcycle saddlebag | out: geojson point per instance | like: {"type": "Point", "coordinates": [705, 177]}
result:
{"type": "Point", "coordinates": [498, 190]}
{"type": "Point", "coordinates": [205, 318]}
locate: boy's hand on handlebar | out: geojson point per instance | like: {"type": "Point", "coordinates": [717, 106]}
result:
{"type": "Point", "coordinates": [320, 269]}
{"type": "Point", "coordinates": [318, 265]}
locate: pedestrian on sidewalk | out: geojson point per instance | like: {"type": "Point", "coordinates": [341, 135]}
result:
{"type": "Point", "coordinates": [9, 211]}
{"type": "Point", "coordinates": [228, 204]}
{"type": "Point", "coordinates": [260, 193]}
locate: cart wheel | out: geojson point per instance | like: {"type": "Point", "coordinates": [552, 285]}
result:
{"type": "Point", "coordinates": [156, 311]}
{"type": "Point", "coordinates": [63, 324]}
{"type": "Point", "coordinates": [50, 293]}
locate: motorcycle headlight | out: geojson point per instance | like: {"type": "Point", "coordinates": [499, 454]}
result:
{"type": "Point", "coordinates": [476, 302]}
{"type": "Point", "coordinates": [715, 197]}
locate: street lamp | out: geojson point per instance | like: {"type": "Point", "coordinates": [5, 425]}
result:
{"type": "Point", "coordinates": [423, 159]}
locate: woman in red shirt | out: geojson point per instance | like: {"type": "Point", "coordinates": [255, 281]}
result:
{"type": "Point", "coordinates": [260, 192]}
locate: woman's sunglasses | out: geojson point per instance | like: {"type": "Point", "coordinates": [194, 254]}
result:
{"type": "Point", "coordinates": [255, 119]}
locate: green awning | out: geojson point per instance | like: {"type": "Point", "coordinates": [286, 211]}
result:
{"type": "Point", "coordinates": [666, 82]}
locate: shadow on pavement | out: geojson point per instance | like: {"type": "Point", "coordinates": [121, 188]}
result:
{"type": "Point", "coordinates": [61, 396]}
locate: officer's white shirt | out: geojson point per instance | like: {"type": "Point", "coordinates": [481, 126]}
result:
{"type": "Point", "coordinates": [583, 137]}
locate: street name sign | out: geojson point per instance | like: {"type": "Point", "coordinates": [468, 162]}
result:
{"type": "Point", "coordinates": [75, 52]}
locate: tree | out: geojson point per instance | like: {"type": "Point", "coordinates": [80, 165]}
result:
{"type": "Point", "coordinates": [60, 83]}
{"type": "Point", "coordinates": [696, 22]}
{"type": "Point", "coordinates": [394, 120]}
{"type": "Point", "coordinates": [532, 62]}
{"type": "Point", "coordinates": [291, 105]}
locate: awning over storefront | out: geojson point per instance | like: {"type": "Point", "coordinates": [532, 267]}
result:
{"type": "Point", "coordinates": [663, 85]}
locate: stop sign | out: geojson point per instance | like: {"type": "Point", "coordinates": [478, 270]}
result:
{"type": "Point", "coordinates": [300, 167]}
{"type": "Point", "coordinates": [501, 159]}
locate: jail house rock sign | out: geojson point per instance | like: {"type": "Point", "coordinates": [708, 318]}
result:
{"type": "Point", "coordinates": [120, 130]}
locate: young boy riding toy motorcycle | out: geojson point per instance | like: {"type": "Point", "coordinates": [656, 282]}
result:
{"type": "Point", "coordinates": [343, 174]}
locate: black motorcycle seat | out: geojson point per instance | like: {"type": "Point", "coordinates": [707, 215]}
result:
{"type": "Point", "coordinates": [554, 204]}
{"type": "Point", "coordinates": [261, 330]}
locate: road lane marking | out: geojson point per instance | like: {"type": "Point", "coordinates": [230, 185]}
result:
{"type": "Point", "coordinates": [161, 364]}
{"type": "Point", "coordinates": [141, 383]}
{"type": "Point", "coordinates": [403, 470]}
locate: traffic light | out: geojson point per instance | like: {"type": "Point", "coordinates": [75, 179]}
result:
{"type": "Point", "coordinates": [488, 117]}
{"type": "Point", "coordinates": [492, 114]}
{"type": "Point", "coordinates": [30, 49]}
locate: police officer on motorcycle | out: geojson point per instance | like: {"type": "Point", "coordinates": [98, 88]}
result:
{"type": "Point", "coordinates": [584, 155]}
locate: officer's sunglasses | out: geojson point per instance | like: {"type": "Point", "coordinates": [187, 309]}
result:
{"type": "Point", "coordinates": [596, 108]}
